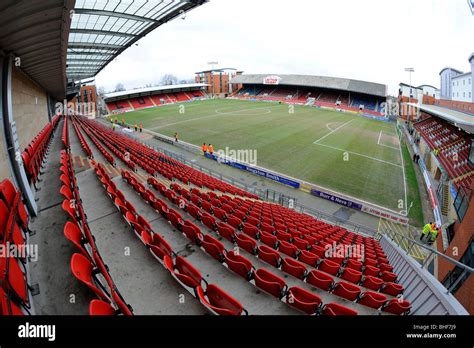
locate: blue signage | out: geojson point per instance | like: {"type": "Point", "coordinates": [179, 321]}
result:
{"type": "Point", "coordinates": [259, 172]}
{"type": "Point", "coordinates": [335, 199]}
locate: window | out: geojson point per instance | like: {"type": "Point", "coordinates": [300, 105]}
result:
{"type": "Point", "coordinates": [463, 82]}
{"type": "Point", "coordinates": [469, 94]}
{"type": "Point", "coordinates": [453, 275]}
{"type": "Point", "coordinates": [464, 94]}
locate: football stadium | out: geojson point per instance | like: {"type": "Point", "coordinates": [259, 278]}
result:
{"type": "Point", "coordinates": [223, 192]}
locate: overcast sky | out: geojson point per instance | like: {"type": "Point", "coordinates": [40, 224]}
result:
{"type": "Point", "coordinates": [371, 40]}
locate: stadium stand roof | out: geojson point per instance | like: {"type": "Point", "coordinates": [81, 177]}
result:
{"type": "Point", "coordinates": [36, 33]}
{"type": "Point", "coordinates": [357, 86]}
{"type": "Point", "coordinates": [101, 30]}
{"type": "Point", "coordinates": [459, 119]}
{"type": "Point", "coordinates": [456, 70]}
{"type": "Point", "coordinates": [60, 40]}
{"type": "Point", "coordinates": [152, 90]}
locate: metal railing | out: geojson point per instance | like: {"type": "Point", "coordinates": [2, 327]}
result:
{"type": "Point", "coordinates": [431, 255]}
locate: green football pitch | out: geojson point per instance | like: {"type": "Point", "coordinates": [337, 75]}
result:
{"type": "Point", "coordinates": [344, 152]}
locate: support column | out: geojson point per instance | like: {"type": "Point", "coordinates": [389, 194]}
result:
{"type": "Point", "coordinates": [8, 126]}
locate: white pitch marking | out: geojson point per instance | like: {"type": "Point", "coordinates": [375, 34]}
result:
{"type": "Point", "coordinates": [325, 136]}
{"type": "Point", "coordinates": [403, 169]}
{"type": "Point", "coordinates": [378, 142]}
{"type": "Point", "coordinates": [218, 114]}
{"type": "Point", "coordinates": [359, 154]}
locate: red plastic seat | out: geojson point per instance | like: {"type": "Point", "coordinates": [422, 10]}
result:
{"type": "Point", "coordinates": [213, 247]}
{"type": "Point", "coordinates": [301, 243]}
{"type": "Point", "coordinates": [226, 231]}
{"type": "Point", "coordinates": [83, 270]}
{"type": "Point", "coordinates": [209, 221]}
{"type": "Point", "coordinates": [392, 289]}
{"type": "Point", "coordinates": [372, 283]}
{"type": "Point", "coordinates": [99, 307]}
{"type": "Point", "coordinates": [9, 229]}
{"type": "Point", "coordinates": [397, 306]}
{"type": "Point", "coordinates": [320, 280]}
{"type": "Point", "coordinates": [372, 299]}
{"type": "Point", "coordinates": [220, 213]}
{"type": "Point", "coordinates": [8, 191]}
{"type": "Point", "coordinates": [268, 239]}
{"type": "Point", "coordinates": [158, 246]}
{"type": "Point", "coordinates": [219, 302]}
{"type": "Point", "coordinates": [309, 258]}
{"type": "Point", "coordinates": [269, 255]}
{"type": "Point", "coordinates": [234, 221]}
{"type": "Point", "coordinates": [252, 221]}
{"type": "Point", "coordinates": [388, 276]}
{"type": "Point", "coordinates": [354, 264]}
{"type": "Point", "coordinates": [337, 309]}
{"type": "Point", "coordinates": [183, 271]}
{"type": "Point", "coordinates": [283, 236]}
{"type": "Point", "coordinates": [303, 300]}
{"type": "Point", "coordinates": [7, 306]}
{"type": "Point", "coordinates": [385, 267]}
{"type": "Point", "coordinates": [252, 231]}
{"type": "Point", "coordinates": [265, 227]}
{"type": "Point", "coordinates": [74, 234]}
{"type": "Point", "coordinates": [192, 232]}
{"type": "Point", "coordinates": [270, 283]}
{"type": "Point", "coordinates": [371, 271]}
{"type": "Point", "coordinates": [247, 243]}
{"type": "Point", "coordinates": [293, 267]}
{"type": "Point", "coordinates": [351, 275]}
{"type": "Point", "coordinates": [318, 250]}
{"type": "Point", "coordinates": [329, 266]}
{"type": "Point", "coordinates": [194, 211]}
{"type": "Point", "coordinates": [239, 265]}
{"type": "Point", "coordinates": [288, 249]}
{"type": "Point", "coordinates": [346, 290]}
{"type": "Point", "coordinates": [175, 219]}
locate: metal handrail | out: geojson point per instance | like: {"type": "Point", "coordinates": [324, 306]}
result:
{"type": "Point", "coordinates": [431, 253]}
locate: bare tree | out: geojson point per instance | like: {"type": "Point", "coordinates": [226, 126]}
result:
{"type": "Point", "coordinates": [101, 91]}
{"type": "Point", "coordinates": [169, 79]}
{"type": "Point", "coordinates": [119, 87]}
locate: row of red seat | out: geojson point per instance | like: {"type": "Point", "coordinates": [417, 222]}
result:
{"type": "Point", "coordinates": [150, 101]}
{"type": "Point", "coordinates": [295, 296]}
{"type": "Point", "coordinates": [99, 146]}
{"type": "Point", "coordinates": [116, 149]}
{"type": "Point", "coordinates": [87, 264]}
{"type": "Point", "coordinates": [453, 145]}
{"type": "Point", "coordinates": [83, 142]}
{"type": "Point", "coordinates": [320, 278]}
{"type": "Point", "coordinates": [15, 297]}
{"type": "Point", "coordinates": [263, 224]}
{"type": "Point", "coordinates": [210, 295]}
{"type": "Point", "coordinates": [34, 154]}
{"type": "Point", "coordinates": [152, 161]}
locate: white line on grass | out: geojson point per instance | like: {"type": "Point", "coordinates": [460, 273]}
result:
{"type": "Point", "coordinates": [325, 136]}
{"type": "Point", "coordinates": [378, 142]}
{"type": "Point", "coordinates": [212, 116]}
{"type": "Point", "coordinates": [359, 154]}
{"type": "Point", "coordinates": [404, 176]}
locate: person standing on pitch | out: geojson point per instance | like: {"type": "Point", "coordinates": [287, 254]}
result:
{"type": "Point", "coordinates": [204, 148]}
{"type": "Point", "coordinates": [136, 128]}
{"type": "Point", "coordinates": [141, 127]}
{"type": "Point", "coordinates": [176, 137]}
{"type": "Point", "coordinates": [210, 148]}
